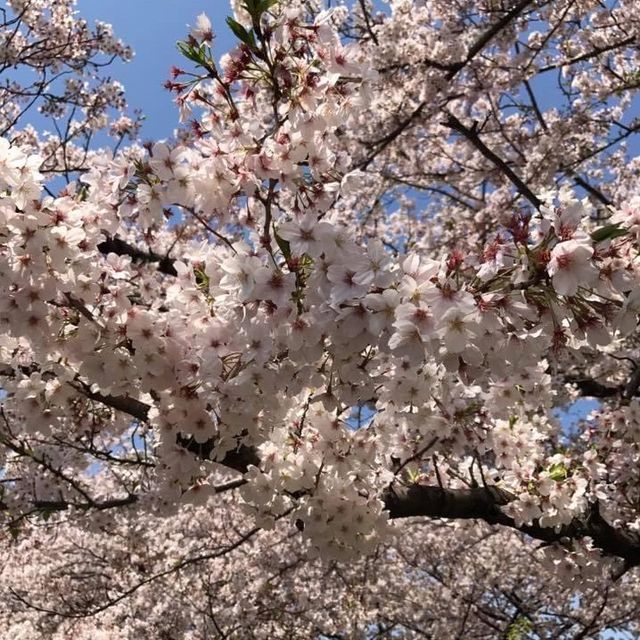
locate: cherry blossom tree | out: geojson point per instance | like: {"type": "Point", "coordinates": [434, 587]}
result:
{"type": "Point", "coordinates": [298, 372]}
{"type": "Point", "coordinates": [52, 61]}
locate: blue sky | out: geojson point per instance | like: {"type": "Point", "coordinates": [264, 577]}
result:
{"type": "Point", "coordinates": [152, 28]}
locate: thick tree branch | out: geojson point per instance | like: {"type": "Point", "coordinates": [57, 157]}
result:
{"type": "Point", "coordinates": [596, 51]}
{"type": "Point", "coordinates": [631, 388]}
{"type": "Point", "coordinates": [589, 188]}
{"type": "Point", "coordinates": [385, 141]}
{"type": "Point", "coordinates": [367, 21]}
{"type": "Point", "coordinates": [112, 503]}
{"type": "Point", "coordinates": [238, 459]}
{"type": "Point", "coordinates": [484, 503]}
{"type": "Point", "coordinates": [122, 248]}
{"type": "Point", "coordinates": [135, 408]}
{"type": "Point", "coordinates": [481, 503]}
{"type": "Point", "coordinates": [593, 388]}
{"type": "Point", "coordinates": [473, 137]}
{"type": "Point", "coordinates": [489, 35]}
{"type": "Point", "coordinates": [453, 68]}
{"type": "Point", "coordinates": [451, 71]}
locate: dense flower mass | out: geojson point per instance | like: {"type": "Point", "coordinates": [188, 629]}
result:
{"type": "Point", "coordinates": [356, 287]}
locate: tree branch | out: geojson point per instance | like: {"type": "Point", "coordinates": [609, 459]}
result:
{"type": "Point", "coordinates": [484, 503]}
{"type": "Point", "coordinates": [122, 248]}
{"type": "Point", "coordinates": [473, 137]}
{"type": "Point", "coordinates": [593, 388]}
{"type": "Point", "coordinates": [400, 501]}
{"type": "Point", "coordinates": [451, 71]}
{"type": "Point", "coordinates": [488, 35]}
{"type": "Point", "coordinates": [238, 459]}
{"type": "Point", "coordinates": [367, 21]}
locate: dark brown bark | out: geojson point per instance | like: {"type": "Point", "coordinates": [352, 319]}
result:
{"type": "Point", "coordinates": [122, 248]}
{"type": "Point", "coordinates": [484, 504]}
{"type": "Point", "coordinates": [472, 136]}
{"type": "Point", "coordinates": [480, 503]}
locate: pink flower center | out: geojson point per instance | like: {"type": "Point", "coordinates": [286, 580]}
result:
{"type": "Point", "coordinates": [564, 261]}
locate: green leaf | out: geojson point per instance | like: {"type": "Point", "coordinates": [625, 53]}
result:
{"type": "Point", "coordinates": [195, 54]}
{"type": "Point", "coordinates": [252, 6]}
{"type": "Point", "coordinates": [241, 33]}
{"type": "Point", "coordinates": [284, 245]}
{"type": "Point", "coordinates": [185, 49]}
{"type": "Point", "coordinates": [255, 8]}
{"type": "Point", "coordinates": [413, 475]}
{"type": "Point", "coordinates": [519, 628]}
{"type": "Point", "coordinates": [82, 192]}
{"type": "Point", "coordinates": [45, 514]}
{"type": "Point", "coordinates": [14, 530]}
{"type": "Point", "coordinates": [608, 232]}
{"type": "Point", "coordinates": [558, 472]}
{"type": "Point", "coordinates": [265, 5]}
{"type": "Point", "coordinates": [202, 280]}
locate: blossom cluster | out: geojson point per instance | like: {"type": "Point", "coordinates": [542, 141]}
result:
{"type": "Point", "coordinates": [264, 320]}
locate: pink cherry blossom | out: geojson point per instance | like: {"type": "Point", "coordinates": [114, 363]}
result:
{"type": "Point", "coordinates": [310, 368]}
